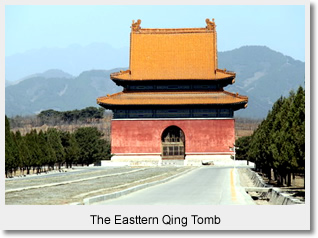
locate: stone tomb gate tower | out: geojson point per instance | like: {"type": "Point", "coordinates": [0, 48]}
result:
{"type": "Point", "coordinates": [173, 107]}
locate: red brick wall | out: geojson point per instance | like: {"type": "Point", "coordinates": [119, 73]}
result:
{"type": "Point", "coordinates": [144, 136]}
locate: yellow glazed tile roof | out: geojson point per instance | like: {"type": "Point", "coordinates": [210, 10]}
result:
{"type": "Point", "coordinates": [172, 98]}
{"type": "Point", "coordinates": [173, 54]}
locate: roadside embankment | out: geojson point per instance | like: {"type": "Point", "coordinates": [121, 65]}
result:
{"type": "Point", "coordinates": [265, 194]}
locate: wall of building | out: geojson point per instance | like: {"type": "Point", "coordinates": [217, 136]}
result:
{"type": "Point", "coordinates": [202, 136]}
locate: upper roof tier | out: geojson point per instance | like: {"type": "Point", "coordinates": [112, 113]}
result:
{"type": "Point", "coordinates": [173, 54]}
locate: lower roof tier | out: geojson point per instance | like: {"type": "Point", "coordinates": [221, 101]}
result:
{"type": "Point", "coordinates": [185, 98]}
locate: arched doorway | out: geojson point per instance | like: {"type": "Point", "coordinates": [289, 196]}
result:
{"type": "Point", "coordinates": [173, 143]}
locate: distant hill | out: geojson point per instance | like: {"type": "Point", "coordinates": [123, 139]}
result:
{"type": "Point", "coordinates": [38, 93]}
{"type": "Point", "coordinates": [51, 73]}
{"type": "Point", "coordinates": [7, 83]}
{"type": "Point", "coordinates": [261, 74]}
{"type": "Point", "coordinates": [73, 59]}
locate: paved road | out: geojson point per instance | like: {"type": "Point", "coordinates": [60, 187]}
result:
{"type": "Point", "coordinates": [203, 186]}
{"type": "Point", "coordinates": [74, 186]}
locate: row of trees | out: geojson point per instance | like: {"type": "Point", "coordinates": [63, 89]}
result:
{"type": "Point", "coordinates": [52, 117]}
{"type": "Point", "coordinates": [278, 144]}
{"type": "Point", "coordinates": [46, 150]}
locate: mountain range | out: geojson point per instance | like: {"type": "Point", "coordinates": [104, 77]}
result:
{"type": "Point", "coordinates": [42, 92]}
{"type": "Point", "coordinates": [261, 74]}
{"type": "Point", "coordinates": [73, 59]}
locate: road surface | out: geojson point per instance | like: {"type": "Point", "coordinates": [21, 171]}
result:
{"type": "Point", "coordinates": [202, 186]}
{"type": "Point", "coordinates": [70, 187]}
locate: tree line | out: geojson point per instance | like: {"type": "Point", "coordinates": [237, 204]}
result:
{"type": "Point", "coordinates": [86, 114]}
{"type": "Point", "coordinates": [52, 117]}
{"type": "Point", "coordinates": [278, 144]}
{"type": "Point", "coordinates": [49, 150]}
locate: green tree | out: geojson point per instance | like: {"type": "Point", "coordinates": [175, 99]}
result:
{"type": "Point", "coordinates": [92, 148]}
{"type": "Point", "coordinates": [34, 151]}
{"type": "Point", "coordinates": [278, 144]}
{"type": "Point", "coordinates": [243, 144]}
{"type": "Point", "coordinates": [51, 155]}
{"type": "Point", "coordinates": [258, 151]}
{"type": "Point", "coordinates": [298, 129]}
{"type": "Point", "coordinates": [71, 148]}
{"type": "Point", "coordinates": [54, 140]}
{"type": "Point", "coordinates": [26, 154]}
{"type": "Point", "coordinates": [293, 149]}
{"type": "Point", "coordinates": [46, 151]}
{"type": "Point", "coordinates": [21, 155]}
{"type": "Point", "coordinates": [50, 117]}
{"type": "Point", "coordinates": [10, 163]}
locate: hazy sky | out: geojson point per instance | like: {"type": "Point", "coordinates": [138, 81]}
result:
{"type": "Point", "coordinates": [281, 28]}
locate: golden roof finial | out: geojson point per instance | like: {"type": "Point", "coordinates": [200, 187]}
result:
{"type": "Point", "coordinates": [135, 26]}
{"type": "Point", "coordinates": [210, 24]}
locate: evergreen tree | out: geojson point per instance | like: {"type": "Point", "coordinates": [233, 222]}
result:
{"type": "Point", "coordinates": [9, 147]}
{"type": "Point", "coordinates": [51, 155]}
{"type": "Point", "coordinates": [279, 141]}
{"type": "Point", "coordinates": [298, 129]}
{"type": "Point", "coordinates": [70, 147]}
{"type": "Point", "coordinates": [243, 143]}
{"type": "Point", "coordinates": [92, 148]}
{"type": "Point", "coordinates": [45, 150]}
{"type": "Point", "coordinates": [55, 142]}
{"type": "Point", "coordinates": [26, 154]}
{"type": "Point", "coordinates": [20, 155]}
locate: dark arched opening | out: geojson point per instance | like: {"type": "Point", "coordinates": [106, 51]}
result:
{"type": "Point", "coordinates": [173, 143]}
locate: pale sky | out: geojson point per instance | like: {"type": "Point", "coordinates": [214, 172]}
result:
{"type": "Point", "coordinates": [280, 27]}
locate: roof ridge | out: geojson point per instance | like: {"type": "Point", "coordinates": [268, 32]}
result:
{"type": "Point", "coordinates": [135, 28]}
{"type": "Point", "coordinates": [236, 95]}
